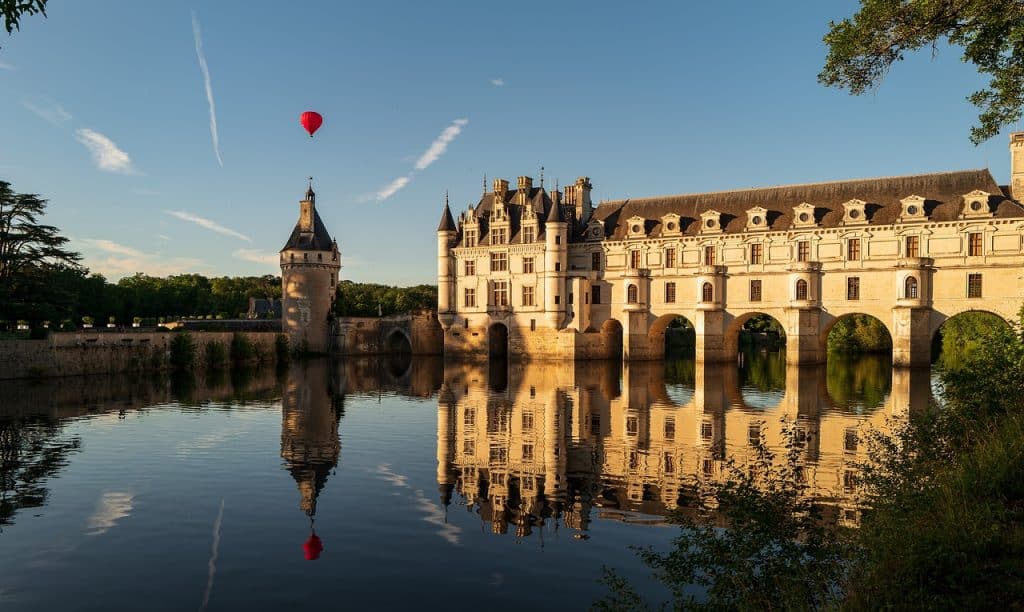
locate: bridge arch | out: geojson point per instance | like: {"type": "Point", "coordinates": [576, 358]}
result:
{"type": "Point", "coordinates": [657, 332]}
{"type": "Point", "coordinates": [397, 342]}
{"type": "Point", "coordinates": [958, 334]}
{"type": "Point", "coordinates": [611, 335]}
{"type": "Point", "coordinates": [739, 323]}
{"type": "Point", "coordinates": [872, 326]}
{"type": "Point", "coordinates": [497, 340]}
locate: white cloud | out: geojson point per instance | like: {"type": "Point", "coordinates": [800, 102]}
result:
{"type": "Point", "coordinates": [111, 508]}
{"type": "Point", "coordinates": [213, 226]}
{"type": "Point", "coordinates": [209, 87]}
{"type": "Point", "coordinates": [117, 267]}
{"type": "Point", "coordinates": [440, 144]}
{"type": "Point", "coordinates": [211, 565]}
{"type": "Point", "coordinates": [498, 82]}
{"type": "Point", "coordinates": [393, 187]}
{"type": "Point", "coordinates": [6, 66]}
{"type": "Point", "coordinates": [163, 236]}
{"type": "Point", "coordinates": [110, 246]}
{"type": "Point", "coordinates": [436, 516]}
{"type": "Point", "coordinates": [104, 152]}
{"type": "Point", "coordinates": [260, 257]}
{"type": "Point", "coordinates": [54, 114]}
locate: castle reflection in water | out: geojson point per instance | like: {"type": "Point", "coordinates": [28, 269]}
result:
{"type": "Point", "coordinates": [569, 443]}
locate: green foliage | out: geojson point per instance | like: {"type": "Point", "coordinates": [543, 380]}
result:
{"type": "Point", "coordinates": [859, 333]}
{"type": "Point", "coordinates": [242, 349]}
{"type": "Point", "coordinates": [14, 10]}
{"type": "Point", "coordinates": [990, 32]}
{"type": "Point", "coordinates": [961, 335]}
{"type": "Point", "coordinates": [183, 351]}
{"type": "Point", "coordinates": [858, 384]}
{"type": "Point", "coordinates": [362, 299]}
{"type": "Point", "coordinates": [216, 355]}
{"type": "Point", "coordinates": [774, 553]}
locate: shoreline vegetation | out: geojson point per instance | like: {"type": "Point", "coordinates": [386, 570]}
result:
{"type": "Point", "coordinates": [942, 525]}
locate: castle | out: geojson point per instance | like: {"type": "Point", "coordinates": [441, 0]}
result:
{"type": "Point", "coordinates": [537, 274]}
{"type": "Point", "coordinates": [309, 279]}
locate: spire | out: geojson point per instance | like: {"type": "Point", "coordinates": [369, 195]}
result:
{"type": "Point", "coordinates": [542, 177]}
{"type": "Point", "coordinates": [555, 214]}
{"type": "Point", "coordinates": [447, 223]}
{"type": "Point", "coordinates": [310, 195]}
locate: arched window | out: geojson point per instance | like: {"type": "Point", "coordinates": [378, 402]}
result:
{"type": "Point", "coordinates": [910, 287]}
{"type": "Point", "coordinates": [707, 293]}
{"type": "Point", "coordinates": [801, 289]}
{"type": "Point", "coordinates": [631, 294]}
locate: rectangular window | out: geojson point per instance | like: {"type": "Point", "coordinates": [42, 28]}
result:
{"type": "Point", "coordinates": [595, 295]}
{"type": "Point", "coordinates": [803, 250]}
{"type": "Point", "coordinates": [469, 238]}
{"type": "Point", "coordinates": [707, 430]}
{"type": "Point", "coordinates": [670, 429]}
{"type": "Point", "coordinates": [853, 288]}
{"type": "Point", "coordinates": [527, 296]}
{"type": "Point", "coordinates": [558, 300]}
{"type": "Point", "coordinates": [469, 417]}
{"type": "Point", "coordinates": [708, 467]}
{"type": "Point", "coordinates": [558, 240]}
{"type": "Point", "coordinates": [500, 293]}
{"type": "Point", "coordinates": [468, 447]}
{"type": "Point", "coordinates": [709, 256]}
{"type": "Point", "coordinates": [499, 262]}
{"type": "Point", "coordinates": [595, 422]}
{"type": "Point", "coordinates": [974, 244]}
{"type": "Point", "coordinates": [754, 434]}
{"type": "Point", "coordinates": [913, 246]}
{"type": "Point", "coordinates": [756, 251]}
{"type": "Point", "coordinates": [528, 234]}
{"type": "Point", "coordinates": [850, 440]}
{"type": "Point", "coordinates": [498, 455]}
{"type": "Point", "coordinates": [632, 426]}
{"type": "Point", "coordinates": [595, 261]}
{"type": "Point", "coordinates": [499, 235]}
{"type": "Point", "coordinates": [670, 463]}
{"type": "Point", "coordinates": [558, 266]}
{"type": "Point", "coordinates": [670, 258]}
{"type": "Point", "coordinates": [470, 267]}
{"type": "Point", "coordinates": [670, 292]}
{"type": "Point", "coordinates": [634, 259]}
{"type": "Point", "coordinates": [853, 249]}
{"type": "Point", "coordinates": [974, 285]}
{"type": "Point", "coordinates": [527, 421]}
{"type": "Point", "coordinates": [469, 298]}
{"type": "Point", "coordinates": [755, 291]}
{"type": "Point", "coordinates": [527, 452]}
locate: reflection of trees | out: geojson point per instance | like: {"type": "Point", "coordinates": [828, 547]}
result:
{"type": "Point", "coordinates": [765, 371]}
{"type": "Point", "coordinates": [858, 383]}
{"type": "Point", "coordinates": [680, 371]}
{"type": "Point", "coordinates": [32, 450]}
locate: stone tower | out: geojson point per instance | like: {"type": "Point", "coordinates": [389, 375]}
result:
{"type": "Point", "coordinates": [556, 260]}
{"type": "Point", "coordinates": [309, 280]}
{"type": "Point", "coordinates": [446, 233]}
{"type": "Point", "coordinates": [1017, 165]}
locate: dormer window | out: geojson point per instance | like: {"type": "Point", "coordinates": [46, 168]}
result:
{"type": "Point", "coordinates": [757, 219]}
{"type": "Point", "coordinates": [976, 205]}
{"type": "Point", "coordinates": [854, 212]}
{"type": "Point", "coordinates": [635, 225]}
{"type": "Point", "coordinates": [670, 225]}
{"type": "Point", "coordinates": [913, 209]}
{"type": "Point", "coordinates": [803, 215]}
{"type": "Point", "coordinates": [710, 222]}
{"type": "Point", "coordinates": [595, 230]}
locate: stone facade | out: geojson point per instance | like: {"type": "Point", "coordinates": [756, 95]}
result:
{"type": "Point", "coordinates": [310, 263]}
{"type": "Point", "coordinates": [548, 275]}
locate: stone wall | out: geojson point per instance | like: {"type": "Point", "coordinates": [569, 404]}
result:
{"type": "Point", "coordinates": [416, 332]}
{"type": "Point", "coordinates": [101, 352]}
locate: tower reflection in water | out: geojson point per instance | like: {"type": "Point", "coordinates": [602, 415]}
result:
{"type": "Point", "coordinates": [568, 443]}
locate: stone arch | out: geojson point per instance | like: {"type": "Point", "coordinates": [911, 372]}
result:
{"type": "Point", "coordinates": [656, 331]}
{"type": "Point", "coordinates": [611, 335]}
{"type": "Point", "coordinates": [827, 328]}
{"type": "Point", "coordinates": [732, 331]}
{"type": "Point", "coordinates": [937, 336]}
{"type": "Point", "coordinates": [497, 340]}
{"type": "Point", "coordinates": [397, 342]}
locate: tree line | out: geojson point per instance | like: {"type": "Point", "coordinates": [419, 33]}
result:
{"type": "Point", "coordinates": [43, 281]}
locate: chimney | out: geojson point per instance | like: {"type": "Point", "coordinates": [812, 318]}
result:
{"type": "Point", "coordinates": [500, 189]}
{"type": "Point", "coordinates": [1017, 165]}
{"type": "Point", "coordinates": [581, 198]}
{"type": "Point", "coordinates": [525, 185]}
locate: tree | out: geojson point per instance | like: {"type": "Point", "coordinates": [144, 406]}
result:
{"type": "Point", "coordinates": [14, 9]}
{"type": "Point", "coordinates": [991, 33]}
{"type": "Point", "coordinates": [31, 256]}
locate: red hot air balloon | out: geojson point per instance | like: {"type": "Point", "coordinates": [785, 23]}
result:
{"type": "Point", "coordinates": [313, 547]}
{"type": "Point", "coordinates": [311, 121]}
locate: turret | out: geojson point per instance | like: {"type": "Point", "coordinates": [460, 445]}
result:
{"type": "Point", "coordinates": [446, 233]}
{"type": "Point", "coordinates": [310, 262]}
{"type": "Point", "coordinates": [1017, 165]}
{"type": "Point", "coordinates": [556, 258]}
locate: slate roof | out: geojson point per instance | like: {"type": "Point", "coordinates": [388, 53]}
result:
{"type": "Point", "coordinates": [317, 240]}
{"type": "Point", "coordinates": [538, 199]}
{"type": "Point", "coordinates": [447, 223]}
{"type": "Point", "coordinates": [942, 191]}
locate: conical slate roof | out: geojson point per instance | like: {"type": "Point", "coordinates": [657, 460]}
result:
{"type": "Point", "coordinates": [317, 240]}
{"type": "Point", "coordinates": [447, 222]}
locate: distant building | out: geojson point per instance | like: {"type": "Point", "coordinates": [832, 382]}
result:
{"type": "Point", "coordinates": [264, 308]}
{"type": "Point", "coordinates": [547, 275]}
{"type": "Point", "coordinates": [309, 278]}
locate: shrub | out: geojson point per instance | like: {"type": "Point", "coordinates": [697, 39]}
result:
{"type": "Point", "coordinates": [183, 351]}
{"type": "Point", "coordinates": [216, 355]}
{"type": "Point", "coordinates": [242, 349]}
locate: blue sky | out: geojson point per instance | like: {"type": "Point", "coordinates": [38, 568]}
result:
{"type": "Point", "coordinates": [104, 111]}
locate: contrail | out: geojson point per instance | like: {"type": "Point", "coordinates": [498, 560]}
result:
{"type": "Point", "coordinates": [212, 565]}
{"type": "Point", "coordinates": [209, 87]}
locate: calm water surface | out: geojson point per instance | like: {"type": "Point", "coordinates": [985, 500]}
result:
{"type": "Point", "coordinates": [395, 485]}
